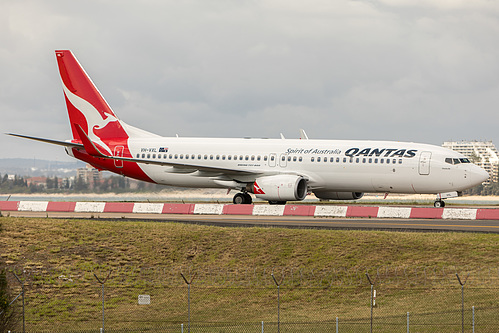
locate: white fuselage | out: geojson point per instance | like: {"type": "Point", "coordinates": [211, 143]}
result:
{"type": "Point", "coordinates": [328, 165]}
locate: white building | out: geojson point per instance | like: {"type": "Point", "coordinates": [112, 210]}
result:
{"type": "Point", "coordinates": [482, 153]}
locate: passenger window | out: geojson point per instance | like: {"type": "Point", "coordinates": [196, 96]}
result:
{"type": "Point", "coordinates": [159, 155]}
{"type": "Point", "coordinates": [138, 155]}
{"type": "Point", "coordinates": [311, 159]}
{"type": "Point", "coordinates": [246, 158]}
{"type": "Point", "coordinates": [351, 159]}
{"type": "Point", "coordinates": [186, 157]}
{"type": "Point", "coordinates": [394, 161]}
{"type": "Point", "coordinates": [181, 156]}
{"type": "Point", "coordinates": [193, 157]}
{"type": "Point", "coordinates": [241, 157]}
{"type": "Point", "coordinates": [199, 157]}
{"type": "Point", "coordinates": [218, 157]}
{"type": "Point", "coordinates": [375, 160]}
{"type": "Point", "coordinates": [344, 159]}
{"type": "Point", "coordinates": [170, 157]}
{"type": "Point", "coordinates": [205, 157]}
{"type": "Point", "coordinates": [164, 156]}
{"type": "Point", "coordinates": [370, 160]}
{"type": "Point", "coordinates": [331, 159]}
{"type": "Point", "coordinates": [148, 155]}
{"type": "Point", "coordinates": [382, 161]}
{"type": "Point", "coordinates": [337, 160]}
{"type": "Point", "coordinates": [211, 157]}
{"type": "Point", "coordinates": [229, 157]}
{"type": "Point", "coordinates": [387, 161]}
{"type": "Point", "coordinates": [289, 158]}
{"type": "Point", "coordinates": [265, 158]}
{"type": "Point", "coordinates": [300, 159]}
{"type": "Point", "coordinates": [272, 157]}
{"type": "Point", "coordinates": [294, 158]}
{"type": "Point", "coordinates": [223, 157]}
{"type": "Point", "coordinates": [252, 157]}
{"type": "Point", "coordinates": [400, 161]}
{"type": "Point", "coordinates": [364, 160]}
{"type": "Point", "coordinates": [318, 159]}
{"type": "Point", "coordinates": [325, 159]}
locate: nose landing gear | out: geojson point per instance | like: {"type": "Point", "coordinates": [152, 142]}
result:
{"type": "Point", "coordinates": [439, 204]}
{"type": "Point", "coordinates": [242, 198]}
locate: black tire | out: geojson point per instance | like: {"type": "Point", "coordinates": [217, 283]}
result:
{"type": "Point", "coordinates": [248, 200]}
{"type": "Point", "coordinates": [277, 202]}
{"type": "Point", "coordinates": [239, 199]}
{"type": "Point", "coordinates": [439, 204]}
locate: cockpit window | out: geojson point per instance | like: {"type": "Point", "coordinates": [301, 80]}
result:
{"type": "Point", "coordinates": [457, 160]}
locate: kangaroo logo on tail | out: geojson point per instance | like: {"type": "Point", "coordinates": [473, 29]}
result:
{"type": "Point", "coordinates": [93, 117]}
{"type": "Point", "coordinates": [87, 108]}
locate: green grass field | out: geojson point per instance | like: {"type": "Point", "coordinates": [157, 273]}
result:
{"type": "Point", "coordinates": [322, 270]}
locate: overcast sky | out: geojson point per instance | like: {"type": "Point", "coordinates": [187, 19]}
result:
{"type": "Point", "coordinates": [424, 71]}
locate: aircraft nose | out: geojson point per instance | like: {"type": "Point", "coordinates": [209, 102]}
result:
{"type": "Point", "coordinates": [478, 175]}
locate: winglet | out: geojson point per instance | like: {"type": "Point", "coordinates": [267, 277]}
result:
{"type": "Point", "coordinates": [90, 147]}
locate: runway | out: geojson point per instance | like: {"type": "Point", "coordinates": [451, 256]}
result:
{"type": "Point", "coordinates": [392, 224]}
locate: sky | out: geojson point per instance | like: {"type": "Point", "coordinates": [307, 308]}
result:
{"type": "Point", "coordinates": [422, 71]}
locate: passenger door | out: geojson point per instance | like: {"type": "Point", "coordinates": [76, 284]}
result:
{"type": "Point", "coordinates": [424, 163]}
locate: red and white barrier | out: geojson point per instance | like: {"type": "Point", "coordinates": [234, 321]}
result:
{"type": "Point", "coordinates": [257, 210]}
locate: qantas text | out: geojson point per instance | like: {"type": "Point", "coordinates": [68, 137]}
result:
{"type": "Point", "coordinates": [381, 152]}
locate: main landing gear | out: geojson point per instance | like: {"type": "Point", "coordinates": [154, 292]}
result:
{"type": "Point", "coordinates": [242, 198]}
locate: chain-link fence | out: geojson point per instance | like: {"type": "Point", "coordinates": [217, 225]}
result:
{"type": "Point", "coordinates": [180, 299]}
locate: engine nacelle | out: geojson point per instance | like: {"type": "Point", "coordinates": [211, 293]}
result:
{"type": "Point", "coordinates": [280, 188]}
{"type": "Point", "coordinates": [329, 195]}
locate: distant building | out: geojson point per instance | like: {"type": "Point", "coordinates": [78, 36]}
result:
{"type": "Point", "coordinates": [37, 181]}
{"type": "Point", "coordinates": [482, 153]}
{"type": "Point", "coordinates": [90, 175]}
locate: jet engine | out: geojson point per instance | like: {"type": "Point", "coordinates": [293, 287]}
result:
{"type": "Point", "coordinates": [280, 188]}
{"type": "Point", "coordinates": [329, 195]}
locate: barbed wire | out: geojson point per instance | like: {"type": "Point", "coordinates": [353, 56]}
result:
{"type": "Point", "coordinates": [328, 277]}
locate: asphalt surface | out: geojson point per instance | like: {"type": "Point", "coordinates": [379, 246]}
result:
{"type": "Point", "coordinates": [421, 225]}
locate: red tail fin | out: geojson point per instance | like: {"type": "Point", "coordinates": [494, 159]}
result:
{"type": "Point", "coordinates": [86, 106]}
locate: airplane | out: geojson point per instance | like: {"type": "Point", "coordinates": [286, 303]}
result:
{"type": "Point", "coordinates": [274, 170]}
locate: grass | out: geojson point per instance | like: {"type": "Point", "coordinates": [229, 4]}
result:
{"type": "Point", "coordinates": [146, 257]}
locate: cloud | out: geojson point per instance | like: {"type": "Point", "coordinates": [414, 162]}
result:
{"type": "Point", "coordinates": [397, 70]}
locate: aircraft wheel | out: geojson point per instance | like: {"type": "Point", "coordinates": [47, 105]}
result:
{"type": "Point", "coordinates": [242, 199]}
{"type": "Point", "coordinates": [277, 202]}
{"type": "Point", "coordinates": [247, 199]}
{"type": "Point", "coordinates": [439, 204]}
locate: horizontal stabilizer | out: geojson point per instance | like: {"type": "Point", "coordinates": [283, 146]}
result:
{"type": "Point", "coordinates": [51, 141]}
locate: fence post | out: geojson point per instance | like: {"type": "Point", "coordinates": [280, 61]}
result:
{"type": "Point", "coordinates": [278, 284]}
{"type": "Point", "coordinates": [102, 282]}
{"type": "Point", "coordinates": [262, 326]}
{"type": "Point", "coordinates": [188, 300]}
{"type": "Point", "coordinates": [22, 293]}
{"type": "Point", "coordinates": [407, 322]}
{"type": "Point", "coordinates": [473, 309]}
{"type": "Point", "coordinates": [336, 324]}
{"type": "Point", "coordinates": [462, 299]}
{"type": "Point", "coordinates": [372, 287]}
